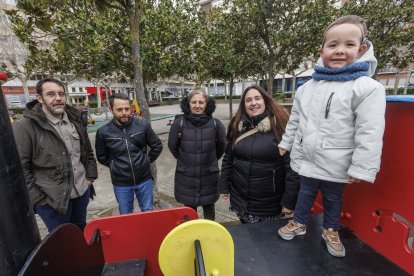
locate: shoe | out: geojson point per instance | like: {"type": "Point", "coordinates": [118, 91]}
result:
{"type": "Point", "coordinates": [291, 230]}
{"type": "Point", "coordinates": [333, 242]}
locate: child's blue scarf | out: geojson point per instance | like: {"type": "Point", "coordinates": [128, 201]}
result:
{"type": "Point", "coordinates": [346, 73]}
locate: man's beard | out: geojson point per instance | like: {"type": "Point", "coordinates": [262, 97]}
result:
{"type": "Point", "coordinates": [56, 111]}
{"type": "Point", "coordinates": [122, 120]}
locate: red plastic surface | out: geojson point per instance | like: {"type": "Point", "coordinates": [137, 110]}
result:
{"type": "Point", "coordinates": [137, 235]}
{"type": "Point", "coordinates": [368, 208]}
{"type": "Point", "coordinates": [3, 77]}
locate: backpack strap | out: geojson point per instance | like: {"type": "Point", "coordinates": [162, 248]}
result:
{"type": "Point", "coordinates": [180, 129]}
{"type": "Point", "coordinates": [247, 134]}
{"type": "Point", "coordinates": [215, 128]}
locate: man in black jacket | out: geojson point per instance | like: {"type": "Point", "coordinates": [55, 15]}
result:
{"type": "Point", "coordinates": [122, 145]}
{"type": "Point", "coordinates": [56, 156]}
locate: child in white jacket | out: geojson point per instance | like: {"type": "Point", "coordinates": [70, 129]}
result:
{"type": "Point", "coordinates": [336, 126]}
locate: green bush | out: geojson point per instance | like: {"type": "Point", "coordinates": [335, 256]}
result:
{"type": "Point", "coordinates": [17, 110]}
{"type": "Point", "coordinates": [279, 96]}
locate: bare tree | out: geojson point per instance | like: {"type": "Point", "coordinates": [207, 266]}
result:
{"type": "Point", "coordinates": [13, 54]}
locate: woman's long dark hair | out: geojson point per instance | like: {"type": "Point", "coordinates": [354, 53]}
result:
{"type": "Point", "coordinates": [278, 116]}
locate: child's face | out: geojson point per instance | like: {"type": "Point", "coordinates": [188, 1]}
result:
{"type": "Point", "coordinates": [342, 46]}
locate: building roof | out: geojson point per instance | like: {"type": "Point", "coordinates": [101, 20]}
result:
{"type": "Point", "coordinates": [18, 82]}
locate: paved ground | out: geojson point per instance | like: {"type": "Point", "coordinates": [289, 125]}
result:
{"type": "Point", "coordinates": [105, 204]}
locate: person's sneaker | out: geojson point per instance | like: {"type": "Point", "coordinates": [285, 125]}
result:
{"type": "Point", "coordinates": [291, 230]}
{"type": "Point", "coordinates": [333, 242]}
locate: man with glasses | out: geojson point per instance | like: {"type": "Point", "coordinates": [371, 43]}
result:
{"type": "Point", "coordinates": [56, 155]}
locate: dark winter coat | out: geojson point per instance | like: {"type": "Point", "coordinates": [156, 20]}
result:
{"type": "Point", "coordinates": [197, 151]}
{"type": "Point", "coordinates": [258, 179]}
{"type": "Point", "coordinates": [123, 148]}
{"type": "Point", "coordinates": [45, 159]}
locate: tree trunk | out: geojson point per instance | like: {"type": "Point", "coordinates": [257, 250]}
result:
{"type": "Point", "coordinates": [397, 82]}
{"type": "Point", "coordinates": [231, 98]}
{"type": "Point", "coordinates": [293, 85]}
{"type": "Point", "coordinates": [283, 83]}
{"type": "Point", "coordinates": [26, 92]}
{"type": "Point", "coordinates": [134, 16]}
{"type": "Point", "coordinates": [269, 81]}
{"type": "Point", "coordinates": [226, 87]}
{"type": "Point", "coordinates": [408, 78]}
{"type": "Point", "coordinates": [98, 95]}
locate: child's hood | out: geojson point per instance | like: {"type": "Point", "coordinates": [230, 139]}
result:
{"type": "Point", "coordinates": [367, 56]}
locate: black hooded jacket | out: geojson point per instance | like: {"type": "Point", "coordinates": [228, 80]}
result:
{"type": "Point", "coordinates": [201, 144]}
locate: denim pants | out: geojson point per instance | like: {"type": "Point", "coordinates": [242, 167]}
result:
{"type": "Point", "coordinates": [76, 213]}
{"type": "Point", "coordinates": [125, 197]}
{"type": "Point", "coordinates": [332, 201]}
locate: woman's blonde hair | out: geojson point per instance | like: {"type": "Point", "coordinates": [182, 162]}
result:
{"type": "Point", "coordinates": [197, 92]}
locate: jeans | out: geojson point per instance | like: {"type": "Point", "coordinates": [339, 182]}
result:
{"type": "Point", "coordinates": [76, 213]}
{"type": "Point", "coordinates": [208, 211]}
{"type": "Point", "coordinates": [332, 201]}
{"type": "Point", "coordinates": [125, 197]}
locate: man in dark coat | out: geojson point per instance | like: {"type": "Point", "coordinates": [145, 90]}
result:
{"type": "Point", "coordinates": [122, 145]}
{"type": "Point", "coordinates": [56, 155]}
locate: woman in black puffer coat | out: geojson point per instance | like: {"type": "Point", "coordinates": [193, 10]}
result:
{"type": "Point", "coordinates": [259, 181]}
{"type": "Point", "coordinates": [197, 141]}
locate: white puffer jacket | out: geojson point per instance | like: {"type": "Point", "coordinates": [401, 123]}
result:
{"type": "Point", "coordinates": [332, 141]}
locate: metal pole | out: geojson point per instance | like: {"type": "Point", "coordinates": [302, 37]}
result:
{"type": "Point", "coordinates": [18, 229]}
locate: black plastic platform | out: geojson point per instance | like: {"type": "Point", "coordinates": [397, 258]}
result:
{"type": "Point", "coordinates": [259, 251]}
{"type": "Point", "coordinates": [135, 267]}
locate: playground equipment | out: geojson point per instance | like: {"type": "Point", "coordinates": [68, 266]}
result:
{"type": "Point", "coordinates": [171, 241]}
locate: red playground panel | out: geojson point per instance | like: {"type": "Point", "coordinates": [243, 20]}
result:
{"type": "Point", "coordinates": [138, 235]}
{"type": "Point", "coordinates": [369, 209]}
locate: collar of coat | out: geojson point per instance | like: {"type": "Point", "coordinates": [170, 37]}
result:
{"type": "Point", "coordinates": [34, 111]}
{"type": "Point", "coordinates": [263, 126]}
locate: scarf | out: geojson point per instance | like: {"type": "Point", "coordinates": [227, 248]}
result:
{"type": "Point", "coordinates": [252, 122]}
{"type": "Point", "coordinates": [197, 119]}
{"type": "Point", "coordinates": [346, 73]}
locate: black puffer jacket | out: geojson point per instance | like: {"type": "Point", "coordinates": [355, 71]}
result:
{"type": "Point", "coordinates": [123, 148]}
{"type": "Point", "coordinates": [259, 180]}
{"type": "Point", "coordinates": [202, 143]}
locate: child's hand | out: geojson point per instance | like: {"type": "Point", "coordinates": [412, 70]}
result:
{"type": "Point", "coordinates": [282, 151]}
{"type": "Point", "coordinates": [353, 180]}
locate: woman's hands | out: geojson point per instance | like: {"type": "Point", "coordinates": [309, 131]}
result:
{"type": "Point", "coordinates": [282, 151]}
{"type": "Point", "coordinates": [286, 213]}
{"type": "Point", "coordinates": [353, 180]}
{"type": "Point", "coordinates": [225, 196]}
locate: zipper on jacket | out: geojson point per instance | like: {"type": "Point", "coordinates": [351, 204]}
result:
{"type": "Point", "coordinates": [328, 105]}
{"type": "Point", "coordinates": [132, 135]}
{"type": "Point", "coordinates": [130, 161]}
{"type": "Point", "coordinates": [274, 185]}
